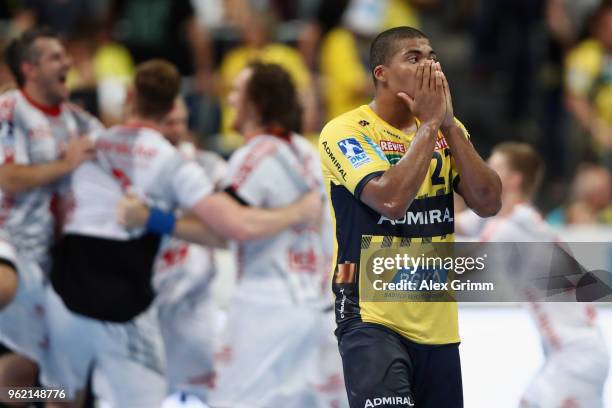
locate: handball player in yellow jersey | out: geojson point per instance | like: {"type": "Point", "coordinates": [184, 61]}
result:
{"type": "Point", "coordinates": [390, 169]}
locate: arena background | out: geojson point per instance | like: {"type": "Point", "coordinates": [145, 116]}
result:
{"type": "Point", "coordinates": [507, 64]}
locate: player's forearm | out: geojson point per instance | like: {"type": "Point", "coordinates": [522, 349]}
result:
{"type": "Point", "coordinates": [237, 222]}
{"type": "Point", "coordinates": [255, 223]}
{"type": "Point", "coordinates": [16, 178]}
{"type": "Point", "coordinates": [392, 193]}
{"type": "Point", "coordinates": [193, 230]}
{"type": "Point", "coordinates": [480, 186]}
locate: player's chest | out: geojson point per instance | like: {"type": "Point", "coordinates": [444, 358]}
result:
{"type": "Point", "coordinates": [395, 146]}
{"type": "Point", "coordinates": [47, 137]}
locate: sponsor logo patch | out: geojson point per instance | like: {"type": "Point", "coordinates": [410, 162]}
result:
{"type": "Point", "coordinates": [394, 147]}
{"type": "Point", "coordinates": [441, 143]}
{"type": "Point", "coordinates": [353, 151]}
{"type": "Point", "coordinates": [394, 151]}
{"type": "Point", "coordinates": [333, 159]}
{"type": "Point", "coordinates": [435, 216]}
{"type": "Point", "coordinates": [389, 402]}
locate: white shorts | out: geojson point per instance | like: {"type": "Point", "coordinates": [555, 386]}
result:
{"type": "Point", "coordinates": [329, 386]}
{"type": "Point", "coordinates": [126, 360]}
{"type": "Point", "coordinates": [23, 327]}
{"type": "Point", "coordinates": [269, 357]}
{"type": "Point", "coordinates": [189, 330]}
{"type": "Point", "coordinates": [573, 379]}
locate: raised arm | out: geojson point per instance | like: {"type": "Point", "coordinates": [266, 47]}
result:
{"type": "Point", "coordinates": [219, 217]}
{"type": "Point", "coordinates": [238, 222]}
{"type": "Point", "coordinates": [18, 178]}
{"type": "Point", "coordinates": [391, 193]}
{"type": "Point", "coordinates": [133, 213]}
{"type": "Point", "coordinates": [479, 185]}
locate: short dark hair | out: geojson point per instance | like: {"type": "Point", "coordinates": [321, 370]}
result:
{"type": "Point", "coordinates": [384, 45]}
{"type": "Point", "coordinates": [22, 49]}
{"type": "Point", "coordinates": [157, 83]}
{"type": "Point", "coordinates": [271, 89]}
{"type": "Point", "coordinates": [523, 158]}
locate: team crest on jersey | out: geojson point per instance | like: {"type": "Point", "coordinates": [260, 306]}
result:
{"type": "Point", "coordinates": [353, 151]}
{"type": "Point", "coordinates": [394, 151]}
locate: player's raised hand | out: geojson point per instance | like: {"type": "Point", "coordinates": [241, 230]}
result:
{"type": "Point", "coordinates": [449, 117]}
{"type": "Point", "coordinates": [428, 103]}
{"type": "Point", "coordinates": [79, 150]}
{"type": "Point", "coordinates": [131, 212]}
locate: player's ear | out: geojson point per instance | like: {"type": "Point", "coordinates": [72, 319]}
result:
{"type": "Point", "coordinates": [380, 73]}
{"type": "Point", "coordinates": [517, 180]}
{"type": "Point", "coordinates": [26, 68]}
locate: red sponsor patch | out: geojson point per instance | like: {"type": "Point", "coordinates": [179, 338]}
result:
{"type": "Point", "coordinates": [303, 261]}
{"type": "Point", "coordinates": [441, 143]}
{"type": "Point", "coordinates": [126, 149]}
{"type": "Point", "coordinates": [40, 132]}
{"type": "Point", "coordinates": [389, 146]}
{"type": "Point", "coordinates": [174, 255]}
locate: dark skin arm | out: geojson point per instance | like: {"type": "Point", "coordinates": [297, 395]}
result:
{"type": "Point", "coordinates": [479, 185]}
{"type": "Point", "coordinates": [392, 193]}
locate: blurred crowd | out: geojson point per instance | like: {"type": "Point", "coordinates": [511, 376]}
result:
{"type": "Point", "coordinates": [538, 71]}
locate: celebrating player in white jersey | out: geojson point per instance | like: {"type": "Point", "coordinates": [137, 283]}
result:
{"type": "Point", "coordinates": [576, 356]}
{"type": "Point", "coordinates": [102, 272]}
{"type": "Point", "coordinates": [181, 279]}
{"type": "Point", "coordinates": [39, 144]}
{"type": "Point", "coordinates": [272, 348]}
{"type": "Point", "coordinates": [271, 345]}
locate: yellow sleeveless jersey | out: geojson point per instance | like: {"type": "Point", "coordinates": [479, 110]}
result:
{"type": "Point", "coordinates": [356, 147]}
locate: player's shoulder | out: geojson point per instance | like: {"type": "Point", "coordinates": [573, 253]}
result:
{"type": "Point", "coordinates": [529, 216]}
{"type": "Point", "coordinates": [138, 134]}
{"type": "Point", "coordinates": [303, 144]}
{"type": "Point", "coordinates": [8, 102]}
{"type": "Point", "coordinates": [528, 225]}
{"type": "Point", "coordinates": [9, 94]}
{"type": "Point", "coordinates": [256, 150]}
{"type": "Point", "coordinates": [87, 121]}
{"type": "Point", "coordinates": [356, 120]}
{"type": "Point", "coordinates": [210, 160]}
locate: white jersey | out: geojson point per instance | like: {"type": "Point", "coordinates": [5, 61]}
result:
{"type": "Point", "coordinates": [269, 172]}
{"type": "Point", "coordinates": [181, 279]}
{"type": "Point", "coordinates": [576, 364]}
{"type": "Point", "coordinates": [31, 134]}
{"type": "Point", "coordinates": [312, 166]}
{"type": "Point", "coordinates": [274, 320]}
{"type": "Point", "coordinates": [561, 324]}
{"type": "Point", "coordinates": [133, 159]}
{"type": "Point", "coordinates": [183, 268]}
